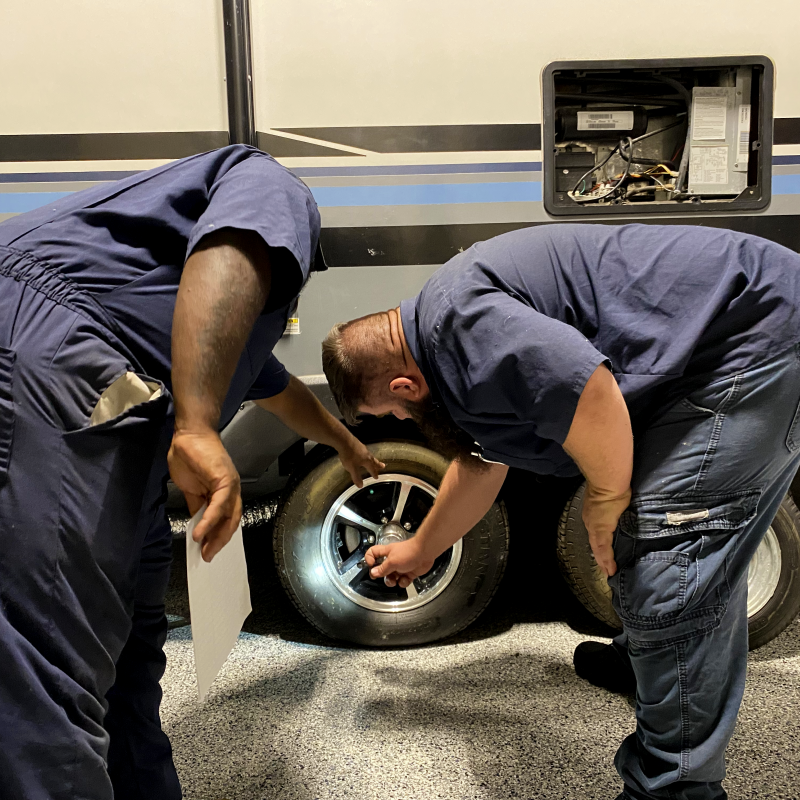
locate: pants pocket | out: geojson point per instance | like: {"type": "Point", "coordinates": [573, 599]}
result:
{"type": "Point", "coordinates": [654, 586]}
{"type": "Point", "coordinates": [6, 410]}
{"type": "Point", "coordinates": [655, 516]}
{"type": "Point", "coordinates": [672, 583]}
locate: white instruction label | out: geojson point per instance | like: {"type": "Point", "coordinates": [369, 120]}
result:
{"type": "Point", "coordinates": [292, 326]}
{"type": "Point", "coordinates": [708, 165]}
{"type": "Point", "coordinates": [709, 115]}
{"type": "Point", "coordinates": [743, 139]}
{"type": "Point", "coordinates": [605, 120]}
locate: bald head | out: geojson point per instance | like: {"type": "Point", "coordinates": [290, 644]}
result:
{"type": "Point", "coordinates": [363, 358]}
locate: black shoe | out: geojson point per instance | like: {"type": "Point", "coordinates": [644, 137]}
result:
{"type": "Point", "coordinates": [605, 666]}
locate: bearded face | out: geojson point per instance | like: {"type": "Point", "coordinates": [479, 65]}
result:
{"type": "Point", "coordinates": [441, 431]}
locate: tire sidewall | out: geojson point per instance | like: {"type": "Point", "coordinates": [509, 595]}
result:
{"type": "Point", "coordinates": [783, 606]}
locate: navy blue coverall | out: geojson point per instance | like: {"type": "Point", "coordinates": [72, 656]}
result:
{"type": "Point", "coordinates": [701, 329]}
{"type": "Point", "coordinates": [87, 292]}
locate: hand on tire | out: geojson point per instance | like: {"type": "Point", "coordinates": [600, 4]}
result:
{"type": "Point", "coordinates": [403, 562]}
{"type": "Point", "coordinates": [355, 457]}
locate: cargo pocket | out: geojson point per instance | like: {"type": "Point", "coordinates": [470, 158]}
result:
{"type": "Point", "coordinates": [654, 586]}
{"type": "Point", "coordinates": [653, 516]}
{"type": "Point", "coordinates": [6, 410]}
{"type": "Point", "coordinates": [674, 586]}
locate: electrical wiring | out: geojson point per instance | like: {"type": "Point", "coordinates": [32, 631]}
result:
{"type": "Point", "coordinates": [666, 169]}
{"type": "Point", "coordinates": [613, 190]}
{"type": "Point", "coordinates": [687, 97]}
{"type": "Point", "coordinates": [660, 183]}
{"type": "Point", "coordinates": [627, 156]}
{"type": "Point", "coordinates": [628, 143]}
{"type": "Point", "coordinates": [592, 170]}
{"type": "Point", "coordinates": [661, 130]}
{"type": "Point", "coordinates": [645, 189]}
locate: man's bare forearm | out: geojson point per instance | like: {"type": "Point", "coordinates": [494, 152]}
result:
{"type": "Point", "coordinates": [298, 409]}
{"type": "Point", "coordinates": [224, 287]}
{"type": "Point", "coordinates": [465, 495]}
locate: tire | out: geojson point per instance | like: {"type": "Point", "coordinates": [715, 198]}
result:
{"type": "Point", "coordinates": [320, 534]}
{"type": "Point", "coordinates": [773, 579]}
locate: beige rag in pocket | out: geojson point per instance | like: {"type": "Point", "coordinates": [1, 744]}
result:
{"type": "Point", "coordinates": [127, 391]}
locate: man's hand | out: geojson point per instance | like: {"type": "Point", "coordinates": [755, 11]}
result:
{"type": "Point", "coordinates": [403, 562]}
{"type": "Point", "coordinates": [297, 408]}
{"type": "Point", "coordinates": [356, 458]}
{"type": "Point", "coordinates": [601, 513]}
{"type": "Point", "coordinates": [202, 469]}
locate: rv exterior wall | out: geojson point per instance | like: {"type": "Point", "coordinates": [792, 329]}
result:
{"type": "Point", "coordinates": [440, 62]}
{"type": "Point", "coordinates": [88, 66]}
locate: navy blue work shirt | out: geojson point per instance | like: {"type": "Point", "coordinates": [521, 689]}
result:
{"type": "Point", "coordinates": [508, 332]}
{"type": "Point", "coordinates": [125, 244]}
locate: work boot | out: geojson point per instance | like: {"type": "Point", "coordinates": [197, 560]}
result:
{"type": "Point", "coordinates": [606, 666]}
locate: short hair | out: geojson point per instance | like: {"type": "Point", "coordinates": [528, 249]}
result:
{"type": "Point", "coordinates": [354, 358]}
{"type": "Point", "coordinates": [344, 379]}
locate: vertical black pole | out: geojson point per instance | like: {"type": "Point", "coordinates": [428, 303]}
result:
{"type": "Point", "coordinates": [239, 71]}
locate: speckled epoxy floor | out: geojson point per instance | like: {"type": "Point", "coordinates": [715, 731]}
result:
{"type": "Point", "coordinates": [495, 713]}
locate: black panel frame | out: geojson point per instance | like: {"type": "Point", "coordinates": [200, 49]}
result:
{"type": "Point", "coordinates": [763, 191]}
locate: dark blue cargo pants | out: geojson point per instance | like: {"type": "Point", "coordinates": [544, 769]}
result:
{"type": "Point", "coordinates": [709, 476]}
{"type": "Point", "coordinates": [84, 554]}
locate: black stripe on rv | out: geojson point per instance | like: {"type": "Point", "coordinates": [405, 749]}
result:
{"type": "Point", "coordinates": [435, 244]}
{"type": "Point", "coordinates": [129, 146]}
{"type": "Point", "coordinates": [465, 138]}
{"type": "Point", "coordinates": [429, 138]}
{"type": "Point", "coordinates": [380, 139]}
{"type": "Point", "coordinates": [786, 131]}
{"type": "Point", "coordinates": [108, 146]}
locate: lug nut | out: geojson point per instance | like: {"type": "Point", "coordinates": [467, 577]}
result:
{"type": "Point", "coordinates": [384, 520]}
{"type": "Point", "coordinates": [407, 526]}
{"type": "Point", "coordinates": [371, 539]}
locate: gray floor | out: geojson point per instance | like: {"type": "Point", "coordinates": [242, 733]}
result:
{"type": "Point", "coordinates": [495, 713]}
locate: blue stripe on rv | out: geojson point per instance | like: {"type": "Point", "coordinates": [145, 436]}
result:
{"type": "Point", "coordinates": [19, 202]}
{"type": "Point", "coordinates": [403, 195]}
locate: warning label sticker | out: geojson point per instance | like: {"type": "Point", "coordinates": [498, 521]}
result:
{"type": "Point", "coordinates": [709, 115]}
{"type": "Point", "coordinates": [708, 165]}
{"type": "Point", "coordinates": [605, 120]}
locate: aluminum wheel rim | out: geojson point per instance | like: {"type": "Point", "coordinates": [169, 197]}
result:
{"type": "Point", "coordinates": [764, 573]}
{"type": "Point", "coordinates": [345, 574]}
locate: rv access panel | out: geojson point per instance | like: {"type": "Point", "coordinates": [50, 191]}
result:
{"type": "Point", "coordinates": [670, 136]}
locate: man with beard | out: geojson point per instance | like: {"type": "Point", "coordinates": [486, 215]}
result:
{"type": "Point", "coordinates": [547, 349]}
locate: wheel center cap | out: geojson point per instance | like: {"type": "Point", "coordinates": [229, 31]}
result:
{"type": "Point", "coordinates": [391, 532]}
